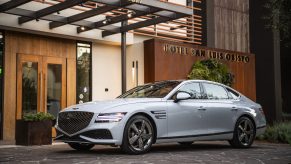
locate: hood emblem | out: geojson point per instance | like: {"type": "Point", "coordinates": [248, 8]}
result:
{"type": "Point", "coordinates": [69, 116]}
{"type": "Point", "coordinates": [75, 108]}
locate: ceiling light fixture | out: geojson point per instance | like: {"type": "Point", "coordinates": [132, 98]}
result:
{"type": "Point", "coordinates": [130, 14]}
{"type": "Point", "coordinates": [82, 28]}
{"type": "Point", "coordinates": [106, 21]}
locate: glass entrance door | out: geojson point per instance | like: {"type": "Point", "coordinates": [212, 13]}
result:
{"type": "Point", "coordinates": [29, 78]}
{"type": "Point", "coordinates": [54, 84]}
{"type": "Point", "coordinates": [41, 84]}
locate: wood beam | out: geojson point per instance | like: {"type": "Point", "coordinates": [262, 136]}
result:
{"type": "Point", "coordinates": [81, 16]}
{"type": "Point", "coordinates": [12, 4]}
{"type": "Point", "coordinates": [137, 25]}
{"type": "Point", "coordinates": [49, 10]}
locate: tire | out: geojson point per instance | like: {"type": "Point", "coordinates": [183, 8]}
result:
{"type": "Point", "coordinates": [81, 147]}
{"type": "Point", "coordinates": [244, 133]}
{"type": "Point", "coordinates": [186, 143]}
{"type": "Point", "coordinates": [138, 135]}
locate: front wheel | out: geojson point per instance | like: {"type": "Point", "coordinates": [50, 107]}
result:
{"type": "Point", "coordinates": [244, 133]}
{"type": "Point", "coordinates": [138, 135]}
{"type": "Point", "coordinates": [81, 147]}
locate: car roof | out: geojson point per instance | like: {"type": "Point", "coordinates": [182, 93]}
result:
{"type": "Point", "coordinates": [185, 81]}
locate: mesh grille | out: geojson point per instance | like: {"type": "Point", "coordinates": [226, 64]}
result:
{"type": "Point", "coordinates": [72, 122]}
{"type": "Point", "coordinates": [95, 134]}
{"type": "Point", "coordinates": [98, 134]}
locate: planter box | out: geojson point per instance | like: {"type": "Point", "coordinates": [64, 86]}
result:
{"type": "Point", "coordinates": [33, 132]}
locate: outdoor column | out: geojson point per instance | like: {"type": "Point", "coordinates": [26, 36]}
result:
{"type": "Point", "coordinates": [123, 58]}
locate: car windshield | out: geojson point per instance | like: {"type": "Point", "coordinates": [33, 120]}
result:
{"type": "Point", "coordinates": [153, 90]}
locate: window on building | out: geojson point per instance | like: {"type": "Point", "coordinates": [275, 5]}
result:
{"type": "Point", "coordinates": [84, 69]}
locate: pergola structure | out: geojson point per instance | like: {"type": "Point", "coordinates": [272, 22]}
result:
{"type": "Point", "coordinates": [158, 11]}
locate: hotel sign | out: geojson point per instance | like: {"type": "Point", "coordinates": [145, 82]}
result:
{"type": "Point", "coordinates": [205, 53]}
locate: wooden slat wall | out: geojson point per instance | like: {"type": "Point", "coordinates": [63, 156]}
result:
{"type": "Point", "coordinates": [188, 29]}
{"type": "Point", "coordinates": [231, 21]}
{"type": "Point", "coordinates": [15, 43]}
{"type": "Point", "coordinates": [161, 65]}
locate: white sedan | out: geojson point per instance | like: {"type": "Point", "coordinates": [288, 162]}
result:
{"type": "Point", "coordinates": [167, 111]}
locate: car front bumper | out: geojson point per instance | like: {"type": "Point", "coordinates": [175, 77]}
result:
{"type": "Point", "coordinates": [95, 133]}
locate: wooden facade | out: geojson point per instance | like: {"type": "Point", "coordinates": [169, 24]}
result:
{"type": "Point", "coordinates": [166, 60]}
{"type": "Point", "coordinates": [38, 46]}
{"type": "Point", "coordinates": [231, 24]}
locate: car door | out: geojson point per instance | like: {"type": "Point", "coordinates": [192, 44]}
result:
{"type": "Point", "coordinates": [184, 117]}
{"type": "Point", "coordinates": [220, 110]}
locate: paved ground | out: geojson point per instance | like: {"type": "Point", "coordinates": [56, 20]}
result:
{"type": "Point", "coordinates": [200, 152]}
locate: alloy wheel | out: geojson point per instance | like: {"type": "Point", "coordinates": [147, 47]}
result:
{"type": "Point", "coordinates": [140, 134]}
{"type": "Point", "coordinates": [245, 132]}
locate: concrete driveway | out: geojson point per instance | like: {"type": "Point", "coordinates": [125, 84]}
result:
{"type": "Point", "coordinates": [199, 152]}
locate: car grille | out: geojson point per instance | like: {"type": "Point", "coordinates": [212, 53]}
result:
{"type": "Point", "coordinates": [95, 134]}
{"type": "Point", "coordinates": [72, 122]}
{"type": "Point", "coordinates": [98, 134]}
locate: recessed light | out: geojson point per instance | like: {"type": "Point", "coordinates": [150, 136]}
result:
{"type": "Point", "coordinates": [130, 14]}
{"type": "Point", "coordinates": [106, 21]}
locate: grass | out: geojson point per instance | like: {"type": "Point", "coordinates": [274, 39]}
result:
{"type": "Point", "coordinates": [279, 132]}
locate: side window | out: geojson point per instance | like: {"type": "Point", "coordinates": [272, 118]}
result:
{"type": "Point", "coordinates": [233, 94]}
{"type": "Point", "coordinates": [193, 89]}
{"type": "Point", "coordinates": [215, 91]}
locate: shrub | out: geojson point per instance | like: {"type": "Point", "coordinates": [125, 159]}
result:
{"type": "Point", "coordinates": [278, 132]}
{"type": "Point", "coordinates": [211, 70]}
{"type": "Point", "coordinates": [38, 117]}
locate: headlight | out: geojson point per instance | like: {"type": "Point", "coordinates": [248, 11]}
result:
{"type": "Point", "coordinates": [110, 117]}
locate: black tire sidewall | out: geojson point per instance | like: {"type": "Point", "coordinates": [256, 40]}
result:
{"type": "Point", "coordinates": [125, 142]}
{"type": "Point", "coordinates": [235, 141]}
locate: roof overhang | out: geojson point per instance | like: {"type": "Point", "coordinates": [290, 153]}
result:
{"type": "Point", "coordinates": [159, 12]}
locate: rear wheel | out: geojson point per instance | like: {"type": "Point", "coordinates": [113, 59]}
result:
{"type": "Point", "coordinates": [244, 133]}
{"type": "Point", "coordinates": [81, 147]}
{"type": "Point", "coordinates": [138, 135]}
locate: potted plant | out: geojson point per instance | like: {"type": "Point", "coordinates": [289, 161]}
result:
{"type": "Point", "coordinates": [34, 129]}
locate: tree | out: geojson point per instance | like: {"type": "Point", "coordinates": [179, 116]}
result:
{"type": "Point", "coordinates": [280, 18]}
{"type": "Point", "coordinates": [211, 70]}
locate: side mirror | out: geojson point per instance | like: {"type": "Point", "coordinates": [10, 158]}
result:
{"type": "Point", "coordinates": [182, 96]}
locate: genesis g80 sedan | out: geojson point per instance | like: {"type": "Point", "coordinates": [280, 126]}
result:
{"type": "Point", "coordinates": [167, 111]}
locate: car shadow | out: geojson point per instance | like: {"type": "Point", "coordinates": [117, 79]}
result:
{"type": "Point", "coordinates": [159, 148]}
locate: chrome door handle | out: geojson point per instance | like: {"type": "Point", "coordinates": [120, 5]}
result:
{"type": "Point", "coordinates": [234, 109]}
{"type": "Point", "coordinates": [201, 108]}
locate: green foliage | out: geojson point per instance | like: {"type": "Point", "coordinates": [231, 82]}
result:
{"type": "Point", "coordinates": [211, 70]}
{"type": "Point", "coordinates": [279, 18]}
{"type": "Point", "coordinates": [29, 94]}
{"type": "Point", "coordinates": [279, 132]}
{"type": "Point", "coordinates": [83, 70]}
{"type": "Point", "coordinates": [38, 117]}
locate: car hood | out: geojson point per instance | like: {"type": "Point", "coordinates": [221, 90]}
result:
{"type": "Point", "coordinates": [102, 106]}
